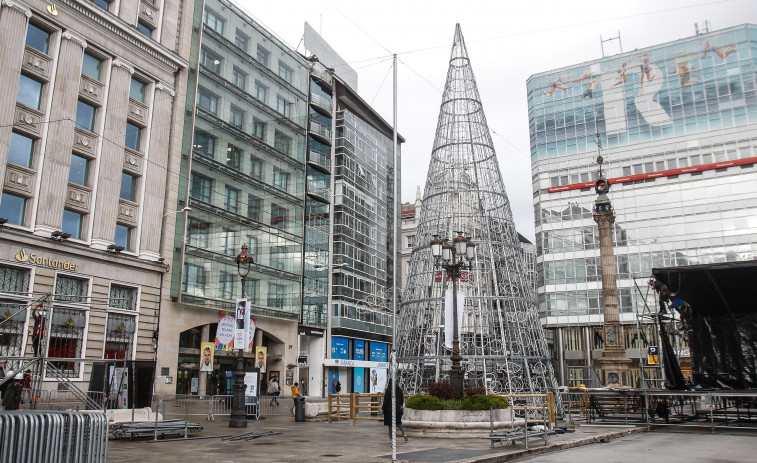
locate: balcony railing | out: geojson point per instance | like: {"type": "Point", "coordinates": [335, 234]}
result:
{"type": "Point", "coordinates": [321, 102]}
{"type": "Point", "coordinates": [319, 188]}
{"type": "Point", "coordinates": [320, 160]}
{"type": "Point", "coordinates": [320, 130]}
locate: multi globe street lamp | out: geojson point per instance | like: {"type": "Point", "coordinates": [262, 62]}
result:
{"type": "Point", "coordinates": [238, 413]}
{"type": "Point", "coordinates": [454, 258]}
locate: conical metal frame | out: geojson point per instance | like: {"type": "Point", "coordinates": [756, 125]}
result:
{"type": "Point", "coordinates": [501, 339]}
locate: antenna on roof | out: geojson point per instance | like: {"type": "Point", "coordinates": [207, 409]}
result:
{"type": "Point", "coordinates": [602, 43]}
{"type": "Point", "coordinates": [705, 28]}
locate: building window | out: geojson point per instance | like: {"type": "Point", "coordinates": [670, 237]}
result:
{"type": "Point", "coordinates": [261, 91]}
{"type": "Point", "coordinates": [282, 106]}
{"type": "Point", "coordinates": [79, 170]}
{"type": "Point", "coordinates": [236, 117]}
{"type": "Point", "coordinates": [123, 297]}
{"type": "Point", "coordinates": [229, 242]}
{"type": "Point", "coordinates": [122, 236]}
{"type": "Point", "coordinates": [233, 156]}
{"type": "Point", "coordinates": [205, 143]}
{"type": "Point", "coordinates": [285, 72]}
{"type": "Point", "coordinates": [276, 294]}
{"type": "Point", "coordinates": [226, 285]}
{"type": "Point", "coordinates": [263, 55]}
{"type": "Point", "coordinates": [13, 208]}
{"type": "Point", "coordinates": [201, 187]}
{"type": "Point", "coordinates": [144, 29]}
{"type": "Point", "coordinates": [14, 279]}
{"type": "Point", "coordinates": [72, 223]}
{"type": "Point", "coordinates": [133, 137]}
{"type": "Point", "coordinates": [231, 201]}
{"type": "Point", "coordinates": [251, 289]}
{"type": "Point", "coordinates": [278, 216]}
{"type": "Point", "coordinates": [91, 66]}
{"type": "Point", "coordinates": [282, 142]}
{"type": "Point", "coordinates": [278, 253]}
{"type": "Point", "coordinates": [71, 289]}
{"type": "Point", "coordinates": [258, 129]}
{"type": "Point", "coordinates": [128, 187]}
{"type": "Point", "coordinates": [239, 78]}
{"type": "Point", "coordinates": [210, 60]}
{"type": "Point", "coordinates": [240, 40]}
{"type": "Point", "coordinates": [410, 241]}
{"type": "Point", "coordinates": [256, 167]}
{"type": "Point", "coordinates": [119, 336]}
{"type": "Point", "coordinates": [137, 90]}
{"type": "Point", "coordinates": [280, 179]}
{"type": "Point", "coordinates": [66, 337]}
{"type": "Point", "coordinates": [195, 278]}
{"type": "Point", "coordinates": [213, 21]}
{"type": "Point", "coordinates": [198, 233]}
{"type": "Point", "coordinates": [104, 4]}
{"type": "Point", "coordinates": [29, 92]}
{"type": "Point", "coordinates": [253, 208]}
{"type": "Point", "coordinates": [207, 100]}
{"type": "Point", "coordinates": [85, 116]}
{"type": "Point", "coordinates": [37, 38]}
{"type": "Point", "coordinates": [21, 150]}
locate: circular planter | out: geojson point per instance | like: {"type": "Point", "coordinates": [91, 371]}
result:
{"type": "Point", "coordinates": [455, 424]}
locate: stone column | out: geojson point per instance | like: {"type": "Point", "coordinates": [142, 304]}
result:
{"type": "Point", "coordinates": [14, 16]}
{"type": "Point", "coordinates": [155, 174]}
{"type": "Point", "coordinates": [112, 155]}
{"type": "Point", "coordinates": [52, 196]}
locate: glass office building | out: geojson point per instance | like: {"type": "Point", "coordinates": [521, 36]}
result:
{"type": "Point", "coordinates": [677, 124]}
{"type": "Point", "coordinates": [243, 177]}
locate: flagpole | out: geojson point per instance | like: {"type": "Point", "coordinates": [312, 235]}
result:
{"type": "Point", "coordinates": [395, 223]}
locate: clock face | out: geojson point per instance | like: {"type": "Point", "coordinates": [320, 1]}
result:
{"type": "Point", "coordinates": [613, 378]}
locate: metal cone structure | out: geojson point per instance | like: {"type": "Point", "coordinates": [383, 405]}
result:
{"type": "Point", "coordinates": [501, 339]}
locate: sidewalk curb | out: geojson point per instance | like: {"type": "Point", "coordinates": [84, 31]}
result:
{"type": "Point", "coordinates": [511, 456]}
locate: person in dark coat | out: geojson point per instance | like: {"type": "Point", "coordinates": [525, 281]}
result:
{"type": "Point", "coordinates": [386, 408]}
{"type": "Point", "coordinates": [12, 395]}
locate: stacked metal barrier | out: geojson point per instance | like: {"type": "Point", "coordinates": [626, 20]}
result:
{"type": "Point", "coordinates": [47, 436]}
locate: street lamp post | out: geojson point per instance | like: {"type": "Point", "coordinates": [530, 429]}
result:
{"type": "Point", "coordinates": [238, 414]}
{"type": "Point", "coordinates": [454, 258]}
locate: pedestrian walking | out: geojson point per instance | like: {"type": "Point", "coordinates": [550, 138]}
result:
{"type": "Point", "coordinates": [12, 396]}
{"type": "Point", "coordinates": [274, 390]}
{"type": "Point", "coordinates": [386, 407]}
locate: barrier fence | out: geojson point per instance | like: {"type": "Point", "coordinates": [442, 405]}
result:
{"type": "Point", "coordinates": [49, 436]}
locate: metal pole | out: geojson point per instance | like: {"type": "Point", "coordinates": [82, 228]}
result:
{"type": "Point", "coordinates": [457, 379]}
{"type": "Point", "coordinates": [238, 413]}
{"type": "Point", "coordinates": [395, 222]}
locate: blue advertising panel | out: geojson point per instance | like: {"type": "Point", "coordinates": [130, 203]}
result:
{"type": "Point", "coordinates": [358, 380]}
{"type": "Point", "coordinates": [340, 348]}
{"type": "Point", "coordinates": [378, 352]}
{"type": "Point", "coordinates": [333, 379]}
{"type": "Point", "coordinates": [358, 352]}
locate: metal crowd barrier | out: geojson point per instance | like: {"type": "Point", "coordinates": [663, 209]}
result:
{"type": "Point", "coordinates": [713, 409]}
{"type": "Point", "coordinates": [48, 436]}
{"type": "Point", "coordinates": [183, 405]}
{"type": "Point", "coordinates": [280, 406]}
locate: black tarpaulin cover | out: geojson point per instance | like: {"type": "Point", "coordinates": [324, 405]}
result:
{"type": "Point", "coordinates": [723, 322]}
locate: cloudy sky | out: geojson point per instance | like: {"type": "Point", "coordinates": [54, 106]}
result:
{"type": "Point", "coordinates": [507, 41]}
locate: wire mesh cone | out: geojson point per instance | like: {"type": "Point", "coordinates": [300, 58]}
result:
{"type": "Point", "coordinates": [501, 339]}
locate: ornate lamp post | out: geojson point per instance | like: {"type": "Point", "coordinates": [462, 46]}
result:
{"type": "Point", "coordinates": [454, 258]}
{"type": "Point", "coordinates": [238, 413]}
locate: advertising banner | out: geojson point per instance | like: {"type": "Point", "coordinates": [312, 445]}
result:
{"type": "Point", "coordinates": [377, 380]}
{"type": "Point", "coordinates": [653, 355]}
{"type": "Point", "coordinates": [206, 356]}
{"type": "Point", "coordinates": [242, 322]}
{"type": "Point", "coordinates": [358, 380]}
{"type": "Point", "coordinates": [449, 323]}
{"type": "Point", "coordinates": [251, 324]}
{"type": "Point", "coordinates": [358, 349]}
{"type": "Point", "coordinates": [340, 348]}
{"type": "Point", "coordinates": [261, 355]}
{"type": "Point", "coordinates": [225, 331]}
{"type": "Point", "coordinates": [251, 384]}
{"type": "Point", "coordinates": [379, 352]}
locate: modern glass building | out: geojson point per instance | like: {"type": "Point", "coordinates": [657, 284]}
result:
{"type": "Point", "coordinates": [677, 124]}
{"type": "Point", "coordinates": [243, 179]}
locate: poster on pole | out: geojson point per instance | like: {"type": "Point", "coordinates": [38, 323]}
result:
{"type": "Point", "coordinates": [242, 319]}
{"type": "Point", "coordinates": [251, 384]}
{"type": "Point", "coordinates": [449, 324]}
{"type": "Point", "coordinates": [261, 355]}
{"type": "Point", "coordinates": [252, 323]}
{"type": "Point", "coordinates": [653, 355]}
{"type": "Point", "coordinates": [206, 356]}
{"type": "Point", "coordinates": [225, 332]}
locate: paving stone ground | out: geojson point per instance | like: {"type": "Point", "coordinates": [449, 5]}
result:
{"type": "Point", "coordinates": [366, 441]}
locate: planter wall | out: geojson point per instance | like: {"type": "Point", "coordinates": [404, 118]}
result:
{"type": "Point", "coordinates": [456, 423]}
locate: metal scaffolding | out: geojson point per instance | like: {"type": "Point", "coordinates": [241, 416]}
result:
{"type": "Point", "coordinates": [501, 339]}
